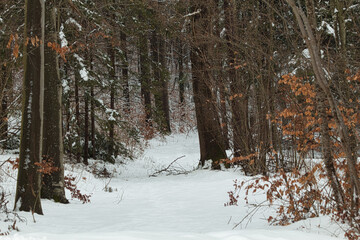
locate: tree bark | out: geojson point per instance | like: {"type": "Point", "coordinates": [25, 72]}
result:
{"type": "Point", "coordinates": [77, 118]}
{"type": "Point", "coordinates": [29, 179]}
{"type": "Point", "coordinates": [5, 78]}
{"type": "Point", "coordinates": [112, 100]}
{"type": "Point", "coordinates": [92, 114]}
{"type": "Point", "coordinates": [145, 78]}
{"type": "Point", "coordinates": [327, 153]}
{"type": "Point", "coordinates": [239, 92]}
{"type": "Point", "coordinates": [344, 134]}
{"type": "Point", "coordinates": [86, 127]}
{"type": "Point", "coordinates": [125, 73]}
{"type": "Point", "coordinates": [181, 72]}
{"type": "Point", "coordinates": [160, 85]}
{"type": "Point", "coordinates": [209, 130]}
{"type": "Point", "coordinates": [165, 108]}
{"type": "Point", "coordinates": [53, 183]}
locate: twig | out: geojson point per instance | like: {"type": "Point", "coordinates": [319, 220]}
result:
{"type": "Point", "coordinates": [2, 164]}
{"type": "Point", "coordinates": [167, 168]}
{"type": "Point", "coordinates": [250, 214]}
{"type": "Point", "coordinates": [120, 198]}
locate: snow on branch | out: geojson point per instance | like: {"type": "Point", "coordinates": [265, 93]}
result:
{"type": "Point", "coordinates": [192, 14]}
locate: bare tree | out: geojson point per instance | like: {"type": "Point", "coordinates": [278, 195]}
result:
{"type": "Point", "coordinates": [52, 150]}
{"type": "Point", "coordinates": [347, 140]}
{"type": "Point", "coordinates": [212, 145]}
{"type": "Point", "coordinates": [29, 180]}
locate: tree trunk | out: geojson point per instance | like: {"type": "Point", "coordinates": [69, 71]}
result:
{"type": "Point", "coordinates": [77, 118]}
{"type": "Point", "coordinates": [181, 73]}
{"type": "Point", "coordinates": [145, 78]}
{"type": "Point", "coordinates": [165, 108]}
{"type": "Point", "coordinates": [327, 153]}
{"type": "Point", "coordinates": [53, 183]}
{"type": "Point", "coordinates": [92, 120]}
{"type": "Point", "coordinates": [125, 73]}
{"type": "Point", "coordinates": [112, 101]}
{"type": "Point", "coordinates": [5, 78]}
{"type": "Point", "coordinates": [209, 130]}
{"type": "Point", "coordinates": [86, 127]}
{"type": "Point", "coordinates": [160, 90]}
{"type": "Point", "coordinates": [344, 132]}
{"type": "Point", "coordinates": [92, 114]}
{"type": "Point", "coordinates": [29, 178]}
{"type": "Point", "coordinates": [224, 110]}
{"type": "Point", "coordinates": [239, 93]}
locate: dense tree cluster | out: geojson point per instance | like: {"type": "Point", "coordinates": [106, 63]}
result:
{"type": "Point", "coordinates": [275, 82]}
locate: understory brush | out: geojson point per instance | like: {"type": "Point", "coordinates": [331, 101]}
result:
{"type": "Point", "coordinates": [330, 187]}
{"type": "Point", "coordinates": [299, 195]}
{"type": "Point", "coordinates": [6, 215]}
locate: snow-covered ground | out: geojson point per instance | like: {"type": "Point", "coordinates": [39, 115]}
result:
{"type": "Point", "coordinates": [167, 207]}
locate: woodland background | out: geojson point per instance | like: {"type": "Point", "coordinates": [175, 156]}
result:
{"type": "Point", "coordinates": [274, 82]}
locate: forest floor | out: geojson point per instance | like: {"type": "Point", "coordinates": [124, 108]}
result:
{"type": "Point", "coordinates": [187, 204]}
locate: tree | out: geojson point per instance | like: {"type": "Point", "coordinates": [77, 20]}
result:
{"type": "Point", "coordinates": [239, 85]}
{"type": "Point", "coordinates": [29, 179]}
{"type": "Point", "coordinates": [145, 77]}
{"type": "Point", "coordinates": [160, 73]}
{"type": "Point", "coordinates": [212, 145]}
{"type": "Point", "coordinates": [347, 139]}
{"type": "Point", "coordinates": [52, 142]}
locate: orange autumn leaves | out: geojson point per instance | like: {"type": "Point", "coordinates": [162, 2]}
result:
{"type": "Point", "coordinates": [14, 44]}
{"type": "Point", "coordinates": [14, 39]}
{"type": "Point", "coordinates": [300, 121]}
{"type": "Point", "coordinates": [34, 41]}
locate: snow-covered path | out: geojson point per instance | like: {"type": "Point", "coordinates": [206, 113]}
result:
{"type": "Point", "coordinates": [165, 207]}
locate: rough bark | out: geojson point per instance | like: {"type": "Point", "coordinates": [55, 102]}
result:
{"type": "Point", "coordinates": [209, 130]}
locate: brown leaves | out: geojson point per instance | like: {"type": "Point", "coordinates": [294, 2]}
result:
{"type": "Point", "coordinates": [46, 166]}
{"type": "Point", "coordinates": [75, 192]}
{"type": "Point", "coordinates": [58, 49]}
{"type": "Point", "coordinates": [14, 42]}
{"type": "Point", "coordinates": [237, 95]}
{"type": "Point", "coordinates": [249, 157]}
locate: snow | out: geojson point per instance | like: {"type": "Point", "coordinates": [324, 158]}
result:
{"type": "Point", "coordinates": [222, 33]}
{"type": "Point", "coordinates": [112, 113]}
{"type": "Point", "coordinates": [167, 207]}
{"type": "Point", "coordinates": [62, 36]}
{"type": "Point", "coordinates": [73, 21]}
{"type": "Point", "coordinates": [84, 74]}
{"type": "Point", "coordinates": [306, 53]}
{"type": "Point", "coordinates": [330, 30]}
{"type": "Point", "coordinates": [192, 14]}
